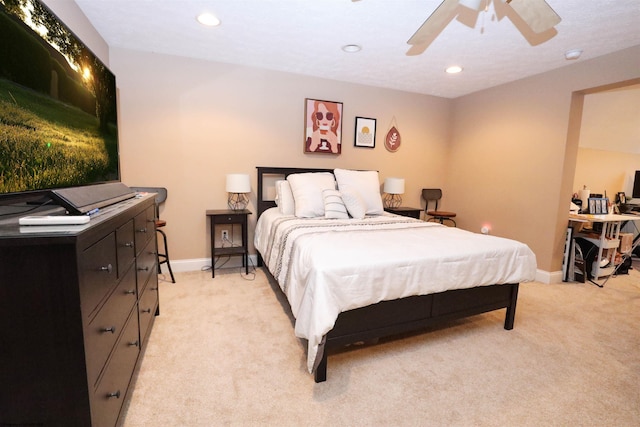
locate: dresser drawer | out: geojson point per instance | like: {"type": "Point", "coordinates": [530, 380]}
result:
{"type": "Point", "coordinates": [147, 306]}
{"type": "Point", "coordinates": [146, 265]}
{"type": "Point", "coordinates": [144, 225]}
{"type": "Point", "coordinates": [125, 247]}
{"type": "Point", "coordinates": [98, 273]}
{"type": "Point", "coordinates": [112, 388]}
{"type": "Point", "coordinates": [104, 330]}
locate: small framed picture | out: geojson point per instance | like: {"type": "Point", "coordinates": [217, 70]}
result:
{"type": "Point", "coordinates": [323, 126]}
{"type": "Point", "coordinates": [598, 206]}
{"type": "Point", "coordinates": [365, 135]}
{"type": "Point", "coordinates": [604, 206]}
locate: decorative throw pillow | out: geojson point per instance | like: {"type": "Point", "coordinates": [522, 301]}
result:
{"type": "Point", "coordinates": [354, 203]}
{"type": "Point", "coordinates": [333, 205]}
{"type": "Point", "coordinates": [284, 198]}
{"type": "Point", "coordinates": [307, 192]}
{"type": "Point", "coordinates": [365, 184]}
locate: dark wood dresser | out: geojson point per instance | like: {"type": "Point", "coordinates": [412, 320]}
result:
{"type": "Point", "coordinates": [77, 304]}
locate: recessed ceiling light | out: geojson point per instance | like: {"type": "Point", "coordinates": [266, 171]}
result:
{"type": "Point", "coordinates": [208, 19]}
{"type": "Point", "coordinates": [454, 69]}
{"type": "Point", "coordinates": [351, 48]}
{"type": "Point", "coordinates": [573, 54]}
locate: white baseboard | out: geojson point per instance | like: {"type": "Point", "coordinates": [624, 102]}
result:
{"type": "Point", "coordinates": [548, 277]}
{"type": "Point", "coordinates": [199, 264]}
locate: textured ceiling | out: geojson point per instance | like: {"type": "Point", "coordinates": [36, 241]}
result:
{"type": "Point", "coordinates": [305, 37]}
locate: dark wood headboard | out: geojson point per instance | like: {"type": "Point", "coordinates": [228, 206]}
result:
{"type": "Point", "coordinates": [263, 204]}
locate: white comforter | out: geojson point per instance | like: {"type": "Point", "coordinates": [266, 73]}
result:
{"type": "Point", "coordinates": [327, 266]}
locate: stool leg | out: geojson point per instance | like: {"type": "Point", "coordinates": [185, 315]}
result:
{"type": "Point", "coordinates": [165, 255]}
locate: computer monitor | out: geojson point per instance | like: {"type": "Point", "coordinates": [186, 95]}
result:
{"type": "Point", "coordinates": [636, 187]}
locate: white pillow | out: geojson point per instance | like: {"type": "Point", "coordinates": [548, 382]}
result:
{"type": "Point", "coordinates": [284, 198]}
{"type": "Point", "coordinates": [333, 205]}
{"type": "Point", "coordinates": [365, 184]}
{"type": "Point", "coordinates": [354, 203]}
{"type": "Point", "coordinates": [307, 192]}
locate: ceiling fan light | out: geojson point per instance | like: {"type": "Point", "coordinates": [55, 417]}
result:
{"type": "Point", "coordinates": [454, 69]}
{"type": "Point", "coordinates": [471, 4]}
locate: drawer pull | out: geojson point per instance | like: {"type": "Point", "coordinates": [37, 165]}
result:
{"type": "Point", "coordinates": [108, 268]}
{"type": "Point", "coordinates": [131, 292]}
{"type": "Point", "coordinates": [143, 268]}
{"type": "Point", "coordinates": [134, 343]}
{"type": "Point", "coordinates": [111, 329]}
{"type": "Point", "coordinates": [147, 310]}
{"type": "Point", "coordinates": [115, 394]}
{"type": "Point", "coordinates": [142, 230]}
{"type": "Point", "coordinates": [129, 244]}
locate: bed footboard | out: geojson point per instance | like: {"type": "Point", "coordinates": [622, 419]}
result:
{"type": "Point", "coordinates": [413, 313]}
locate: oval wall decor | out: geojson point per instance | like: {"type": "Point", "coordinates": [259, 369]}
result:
{"type": "Point", "coordinates": [392, 141]}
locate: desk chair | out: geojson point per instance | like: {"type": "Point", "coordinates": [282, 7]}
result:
{"type": "Point", "coordinates": [433, 195]}
{"type": "Point", "coordinates": [161, 196]}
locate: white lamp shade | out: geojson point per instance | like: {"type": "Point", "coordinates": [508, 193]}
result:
{"type": "Point", "coordinates": [394, 185]}
{"type": "Point", "coordinates": [238, 183]}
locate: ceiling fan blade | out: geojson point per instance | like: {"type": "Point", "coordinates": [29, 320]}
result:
{"type": "Point", "coordinates": [435, 23]}
{"type": "Point", "coordinates": [538, 15]}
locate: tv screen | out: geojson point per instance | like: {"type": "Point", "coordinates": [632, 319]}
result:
{"type": "Point", "coordinates": [636, 186]}
{"type": "Point", "coordinates": [58, 119]}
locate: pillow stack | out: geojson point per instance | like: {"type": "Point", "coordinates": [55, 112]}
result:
{"type": "Point", "coordinates": [360, 192]}
{"type": "Point", "coordinates": [316, 194]}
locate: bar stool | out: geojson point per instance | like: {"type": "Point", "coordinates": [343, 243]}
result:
{"type": "Point", "coordinates": [433, 195]}
{"type": "Point", "coordinates": [163, 256]}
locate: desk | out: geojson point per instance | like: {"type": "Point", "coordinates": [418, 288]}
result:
{"type": "Point", "coordinates": [608, 239]}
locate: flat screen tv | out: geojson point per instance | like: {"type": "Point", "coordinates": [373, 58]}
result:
{"type": "Point", "coordinates": [58, 115]}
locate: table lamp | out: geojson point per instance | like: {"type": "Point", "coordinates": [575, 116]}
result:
{"type": "Point", "coordinates": [238, 185]}
{"type": "Point", "coordinates": [393, 187]}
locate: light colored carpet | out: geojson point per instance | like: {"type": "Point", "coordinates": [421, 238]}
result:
{"type": "Point", "coordinates": [222, 352]}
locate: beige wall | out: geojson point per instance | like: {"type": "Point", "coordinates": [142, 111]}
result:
{"type": "Point", "coordinates": [605, 171]}
{"type": "Point", "coordinates": [505, 156]}
{"type": "Point", "coordinates": [514, 148]}
{"type": "Point", "coordinates": [185, 124]}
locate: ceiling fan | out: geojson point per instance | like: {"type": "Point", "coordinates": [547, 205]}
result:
{"type": "Point", "coordinates": [537, 14]}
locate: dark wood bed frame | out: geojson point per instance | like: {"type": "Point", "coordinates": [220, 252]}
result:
{"type": "Point", "coordinates": [401, 315]}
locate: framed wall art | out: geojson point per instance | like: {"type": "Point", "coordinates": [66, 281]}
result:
{"type": "Point", "coordinates": [598, 206]}
{"type": "Point", "coordinates": [392, 140]}
{"type": "Point", "coordinates": [365, 135]}
{"type": "Point", "coordinates": [323, 126]}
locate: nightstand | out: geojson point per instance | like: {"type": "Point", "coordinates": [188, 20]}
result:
{"type": "Point", "coordinates": [229, 217]}
{"type": "Point", "coordinates": [405, 211]}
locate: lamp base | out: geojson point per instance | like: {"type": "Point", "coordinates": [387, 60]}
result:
{"type": "Point", "coordinates": [237, 201]}
{"type": "Point", "coordinates": [392, 200]}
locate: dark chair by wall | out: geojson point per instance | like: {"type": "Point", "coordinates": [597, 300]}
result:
{"type": "Point", "coordinates": [434, 195]}
{"type": "Point", "coordinates": [163, 256]}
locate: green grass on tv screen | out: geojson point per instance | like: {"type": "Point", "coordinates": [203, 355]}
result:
{"type": "Point", "coordinates": [48, 144]}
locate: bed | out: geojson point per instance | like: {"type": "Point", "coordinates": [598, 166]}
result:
{"type": "Point", "coordinates": [371, 274]}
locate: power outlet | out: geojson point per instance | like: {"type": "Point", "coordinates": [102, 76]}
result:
{"type": "Point", "coordinates": [225, 234]}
